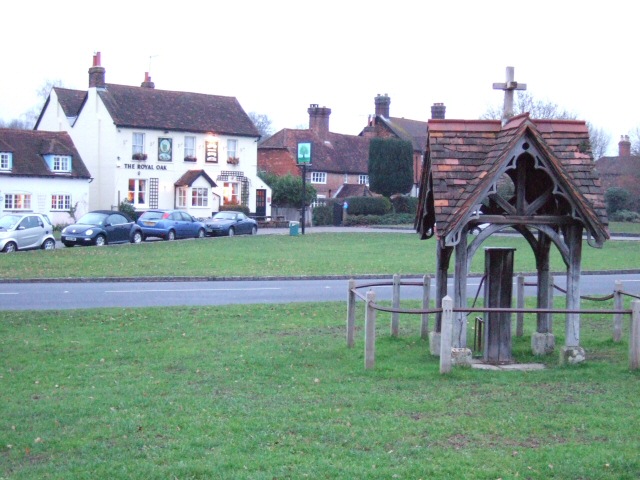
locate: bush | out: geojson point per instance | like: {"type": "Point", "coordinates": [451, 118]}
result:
{"type": "Point", "coordinates": [389, 219]}
{"type": "Point", "coordinates": [368, 205]}
{"type": "Point", "coordinates": [323, 215]}
{"type": "Point", "coordinates": [234, 207]}
{"type": "Point", "coordinates": [625, 216]}
{"type": "Point", "coordinates": [404, 204]}
{"type": "Point", "coordinates": [128, 209]}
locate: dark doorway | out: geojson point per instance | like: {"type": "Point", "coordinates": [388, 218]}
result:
{"type": "Point", "coordinates": [261, 202]}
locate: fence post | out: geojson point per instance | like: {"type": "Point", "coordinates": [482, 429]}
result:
{"type": "Point", "coordinates": [370, 332]}
{"type": "Point", "coordinates": [446, 334]}
{"type": "Point", "coordinates": [617, 305]}
{"type": "Point", "coordinates": [520, 304]}
{"type": "Point", "coordinates": [634, 340]}
{"type": "Point", "coordinates": [351, 313]}
{"type": "Point", "coordinates": [552, 287]}
{"type": "Point", "coordinates": [395, 316]}
{"type": "Point", "coordinates": [426, 299]}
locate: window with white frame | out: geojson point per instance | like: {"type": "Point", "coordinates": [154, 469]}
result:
{"type": "Point", "coordinates": [5, 160]}
{"type": "Point", "coordinates": [190, 148]}
{"type": "Point", "coordinates": [318, 177]}
{"type": "Point", "coordinates": [60, 201]}
{"type": "Point", "coordinates": [232, 151]}
{"type": "Point", "coordinates": [231, 193]}
{"type": "Point", "coordinates": [137, 194]}
{"type": "Point", "coordinates": [181, 197]}
{"type": "Point", "coordinates": [199, 197]}
{"type": "Point", "coordinates": [363, 179]}
{"type": "Point", "coordinates": [61, 163]}
{"type": "Point", "coordinates": [17, 201]}
{"type": "Point", "coordinates": [138, 146]}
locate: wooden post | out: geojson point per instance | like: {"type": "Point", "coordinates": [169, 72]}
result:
{"type": "Point", "coordinates": [351, 313]}
{"type": "Point", "coordinates": [634, 340]}
{"type": "Point", "coordinates": [617, 305]}
{"type": "Point", "coordinates": [572, 325]}
{"type": "Point", "coordinates": [395, 316]}
{"type": "Point", "coordinates": [446, 331]}
{"type": "Point", "coordinates": [550, 302]}
{"type": "Point", "coordinates": [370, 332]}
{"type": "Point", "coordinates": [520, 304]}
{"type": "Point", "coordinates": [426, 299]}
{"type": "Point", "coordinates": [443, 255]}
{"type": "Point", "coordinates": [545, 284]}
{"type": "Point", "coordinates": [460, 293]}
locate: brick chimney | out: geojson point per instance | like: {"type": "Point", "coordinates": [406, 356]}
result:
{"type": "Point", "coordinates": [96, 73]}
{"type": "Point", "coordinates": [319, 119]}
{"type": "Point", "coordinates": [382, 105]}
{"type": "Point", "coordinates": [624, 146]}
{"type": "Point", "coordinates": [147, 81]}
{"type": "Point", "coordinates": [438, 111]}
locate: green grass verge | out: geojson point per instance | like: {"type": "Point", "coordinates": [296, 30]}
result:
{"type": "Point", "coordinates": [264, 392]}
{"type": "Point", "coordinates": [624, 227]}
{"type": "Point", "coordinates": [349, 254]}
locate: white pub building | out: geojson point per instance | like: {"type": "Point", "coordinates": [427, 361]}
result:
{"type": "Point", "coordinates": [160, 148]}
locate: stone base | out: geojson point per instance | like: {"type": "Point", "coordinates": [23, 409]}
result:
{"type": "Point", "coordinates": [543, 343]}
{"type": "Point", "coordinates": [461, 357]}
{"type": "Point", "coordinates": [434, 343]}
{"type": "Point", "coordinates": [572, 355]}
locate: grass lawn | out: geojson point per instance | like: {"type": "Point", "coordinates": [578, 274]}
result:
{"type": "Point", "coordinates": [349, 254]}
{"type": "Point", "coordinates": [264, 392]}
{"type": "Point", "coordinates": [624, 227]}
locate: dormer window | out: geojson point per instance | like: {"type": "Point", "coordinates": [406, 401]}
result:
{"type": "Point", "coordinates": [6, 161]}
{"type": "Point", "coordinates": [61, 163]}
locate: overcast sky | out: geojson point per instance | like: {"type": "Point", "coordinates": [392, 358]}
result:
{"type": "Point", "coordinates": [278, 57]}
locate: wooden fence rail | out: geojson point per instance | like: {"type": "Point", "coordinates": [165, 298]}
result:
{"type": "Point", "coordinates": [447, 311]}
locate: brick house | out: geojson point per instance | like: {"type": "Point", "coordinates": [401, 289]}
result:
{"type": "Point", "coordinates": [42, 172]}
{"type": "Point", "coordinates": [159, 148]}
{"type": "Point", "coordinates": [622, 171]}
{"type": "Point", "coordinates": [337, 160]}
{"type": "Point", "coordinates": [382, 125]}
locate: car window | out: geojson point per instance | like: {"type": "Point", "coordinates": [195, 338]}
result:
{"type": "Point", "coordinates": [47, 221]}
{"type": "Point", "coordinates": [186, 217]}
{"type": "Point", "coordinates": [241, 216]}
{"type": "Point", "coordinates": [151, 215]}
{"type": "Point", "coordinates": [8, 221]}
{"type": "Point", "coordinates": [175, 216]}
{"type": "Point", "coordinates": [117, 219]}
{"type": "Point", "coordinates": [92, 218]}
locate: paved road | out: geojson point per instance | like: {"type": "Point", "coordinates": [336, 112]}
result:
{"type": "Point", "coordinates": [46, 296]}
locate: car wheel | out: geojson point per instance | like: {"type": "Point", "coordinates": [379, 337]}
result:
{"type": "Point", "coordinates": [49, 244]}
{"type": "Point", "coordinates": [254, 230]}
{"type": "Point", "coordinates": [200, 233]}
{"type": "Point", "coordinates": [10, 247]}
{"type": "Point", "coordinates": [171, 235]}
{"type": "Point", "coordinates": [100, 241]}
{"type": "Point", "coordinates": [137, 237]}
{"type": "Point", "coordinates": [232, 232]}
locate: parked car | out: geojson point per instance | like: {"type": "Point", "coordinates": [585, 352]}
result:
{"type": "Point", "coordinates": [23, 231]}
{"type": "Point", "coordinates": [101, 227]}
{"type": "Point", "coordinates": [170, 224]}
{"type": "Point", "coordinates": [230, 223]}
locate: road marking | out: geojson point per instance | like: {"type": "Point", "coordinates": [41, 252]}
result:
{"type": "Point", "coordinates": [194, 290]}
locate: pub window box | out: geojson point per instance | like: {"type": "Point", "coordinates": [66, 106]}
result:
{"type": "Point", "coordinates": [190, 159]}
{"type": "Point", "coordinates": [233, 160]}
{"type": "Point", "coordinates": [139, 156]}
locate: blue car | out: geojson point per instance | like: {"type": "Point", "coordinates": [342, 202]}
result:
{"type": "Point", "coordinates": [230, 223]}
{"type": "Point", "coordinates": [170, 224]}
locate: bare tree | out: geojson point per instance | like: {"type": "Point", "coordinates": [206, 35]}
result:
{"type": "Point", "coordinates": [599, 140]}
{"type": "Point", "coordinates": [634, 137]}
{"type": "Point", "coordinates": [526, 103]}
{"type": "Point", "coordinates": [262, 123]}
{"type": "Point", "coordinates": [27, 120]}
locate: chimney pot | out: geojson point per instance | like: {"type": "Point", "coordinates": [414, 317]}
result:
{"type": "Point", "coordinates": [319, 120]}
{"type": "Point", "coordinates": [382, 103]}
{"type": "Point", "coordinates": [97, 73]}
{"type": "Point", "coordinates": [438, 111]}
{"type": "Point", "coordinates": [624, 146]}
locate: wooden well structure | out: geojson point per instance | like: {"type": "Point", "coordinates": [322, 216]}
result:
{"type": "Point", "coordinates": [536, 177]}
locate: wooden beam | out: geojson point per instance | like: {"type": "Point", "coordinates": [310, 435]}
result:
{"type": "Point", "coordinates": [502, 203]}
{"type": "Point", "coordinates": [525, 219]}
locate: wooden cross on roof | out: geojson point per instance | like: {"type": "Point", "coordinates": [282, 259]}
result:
{"type": "Point", "coordinates": [509, 86]}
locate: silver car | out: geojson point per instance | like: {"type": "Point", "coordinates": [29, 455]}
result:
{"type": "Point", "coordinates": [23, 231]}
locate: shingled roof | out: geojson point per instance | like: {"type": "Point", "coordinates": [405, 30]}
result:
{"type": "Point", "coordinates": [465, 158]}
{"type": "Point", "coordinates": [29, 146]}
{"type": "Point", "coordinates": [337, 153]}
{"type": "Point", "coordinates": [414, 131]}
{"type": "Point", "coordinates": [150, 108]}
{"type": "Point", "coordinates": [190, 176]}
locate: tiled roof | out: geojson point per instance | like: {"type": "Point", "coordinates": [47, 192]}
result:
{"type": "Point", "coordinates": [140, 107]}
{"type": "Point", "coordinates": [464, 158]}
{"type": "Point", "coordinates": [190, 176]}
{"type": "Point", "coordinates": [414, 131]}
{"type": "Point", "coordinates": [352, 190]}
{"type": "Point", "coordinates": [336, 153]}
{"type": "Point", "coordinates": [29, 146]}
{"type": "Point", "coordinates": [71, 101]}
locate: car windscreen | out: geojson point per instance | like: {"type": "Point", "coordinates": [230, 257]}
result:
{"type": "Point", "coordinates": [224, 216]}
{"type": "Point", "coordinates": [8, 221]}
{"type": "Point", "coordinates": [92, 218]}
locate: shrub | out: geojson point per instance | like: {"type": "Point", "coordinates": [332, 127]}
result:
{"type": "Point", "coordinates": [323, 215]}
{"type": "Point", "coordinates": [389, 219]}
{"type": "Point", "coordinates": [404, 204]}
{"type": "Point", "coordinates": [625, 216]}
{"type": "Point", "coordinates": [128, 209]}
{"type": "Point", "coordinates": [368, 205]}
{"type": "Point", "coordinates": [234, 207]}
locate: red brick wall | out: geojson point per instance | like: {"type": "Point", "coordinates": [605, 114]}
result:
{"type": "Point", "coordinates": [278, 162]}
